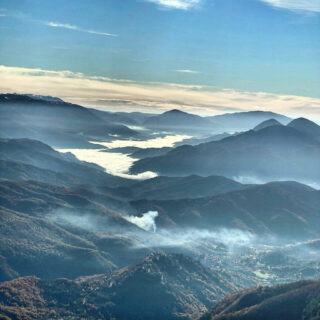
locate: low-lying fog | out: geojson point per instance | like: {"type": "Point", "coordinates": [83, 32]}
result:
{"type": "Point", "coordinates": [154, 237]}
{"type": "Point", "coordinates": [159, 142]}
{"type": "Point", "coordinates": [118, 164]}
{"type": "Point", "coordinates": [247, 259]}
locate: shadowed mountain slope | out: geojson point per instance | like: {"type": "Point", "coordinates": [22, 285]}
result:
{"type": "Point", "coordinates": [150, 152]}
{"type": "Point", "coordinates": [306, 126]}
{"type": "Point", "coordinates": [137, 117]}
{"type": "Point", "coordinates": [114, 117]}
{"type": "Point", "coordinates": [51, 232]}
{"type": "Point", "coordinates": [273, 153]}
{"type": "Point", "coordinates": [38, 154]}
{"type": "Point", "coordinates": [53, 121]}
{"type": "Point", "coordinates": [288, 210]}
{"type": "Point", "coordinates": [10, 170]}
{"type": "Point", "coordinates": [168, 188]}
{"type": "Point", "coordinates": [158, 287]}
{"type": "Point", "coordinates": [294, 301]}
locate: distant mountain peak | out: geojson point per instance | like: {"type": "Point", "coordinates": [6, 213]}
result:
{"type": "Point", "coordinates": [180, 121]}
{"type": "Point", "coordinates": [267, 123]}
{"type": "Point", "coordinates": [175, 111]}
{"type": "Point", "coordinates": [306, 126]}
{"type": "Point", "coordinates": [301, 120]}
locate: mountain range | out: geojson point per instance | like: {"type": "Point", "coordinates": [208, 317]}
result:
{"type": "Point", "coordinates": [53, 232]}
{"type": "Point", "coordinates": [185, 288]}
{"type": "Point", "coordinates": [179, 121]}
{"type": "Point", "coordinates": [34, 159]}
{"type": "Point", "coordinates": [243, 121]}
{"type": "Point", "coordinates": [158, 287]}
{"type": "Point", "coordinates": [287, 210]}
{"type": "Point", "coordinates": [234, 206]}
{"type": "Point", "coordinates": [272, 153]}
{"type": "Point", "coordinates": [168, 188]}
{"type": "Point", "coordinates": [54, 121]}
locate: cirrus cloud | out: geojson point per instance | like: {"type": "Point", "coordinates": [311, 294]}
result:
{"type": "Point", "coordinates": [76, 28]}
{"type": "Point", "coordinates": [300, 5]}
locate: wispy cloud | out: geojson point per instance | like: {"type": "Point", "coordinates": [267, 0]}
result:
{"type": "Point", "coordinates": [114, 94]}
{"type": "Point", "coordinates": [296, 5]}
{"type": "Point", "coordinates": [187, 71]}
{"type": "Point", "coordinates": [177, 4]}
{"type": "Point", "coordinates": [53, 24]}
{"type": "Point", "coordinates": [76, 28]}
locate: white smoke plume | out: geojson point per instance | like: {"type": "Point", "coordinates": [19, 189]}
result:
{"type": "Point", "coordinates": [146, 221]}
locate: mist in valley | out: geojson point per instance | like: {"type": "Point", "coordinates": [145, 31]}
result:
{"type": "Point", "coordinates": [159, 160]}
{"type": "Point", "coordinates": [117, 163]}
{"type": "Point", "coordinates": [246, 257]}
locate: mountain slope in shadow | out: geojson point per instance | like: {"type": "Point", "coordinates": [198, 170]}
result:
{"type": "Point", "coordinates": [287, 210]}
{"type": "Point", "coordinates": [306, 126]}
{"type": "Point", "coordinates": [169, 188]}
{"type": "Point", "coordinates": [52, 232]}
{"type": "Point", "coordinates": [294, 301]}
{"type": "Point", "coordinates": [158, 287]}
{"type": "Point", "coordinates": [54, 121]}
{"type": "Point", "coordinates": [42, 156]}
{"type": "Point", "coordinates": [273, 153]}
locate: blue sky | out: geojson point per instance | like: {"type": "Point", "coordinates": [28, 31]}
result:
{"type": "Point", "coordinates": [269, 46]}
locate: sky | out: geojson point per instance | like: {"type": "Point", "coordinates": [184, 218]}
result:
{"type": "Point", "coordinates": [204, 56]}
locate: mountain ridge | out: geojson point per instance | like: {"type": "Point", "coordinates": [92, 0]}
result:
{"type": "Point", "coordinates": [285, 210]}
{"type": "Point", "coordinates": [53, 121]}
{"type": "Point", "coordinates": [185, 288]}
{"type": "Point", "coordinates": [276, 152]}
{"type": "Point", "coordinates": [294, 301]}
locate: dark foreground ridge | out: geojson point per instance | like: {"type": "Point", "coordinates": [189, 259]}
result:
{"type": "Point", "coordinates": [295, 301]}
{"type": "Point", "coordinates": [158, 287]}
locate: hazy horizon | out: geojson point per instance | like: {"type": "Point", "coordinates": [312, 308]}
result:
{"type": "Point", "coordinates": [196, 195]}
{"type": "Point", "coordinates": [208, 57]}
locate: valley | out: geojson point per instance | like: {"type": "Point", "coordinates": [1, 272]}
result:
{"type": "Point", "coordinates": [159, 160]}
{"type": "Point", "coordinates": [102, 223]}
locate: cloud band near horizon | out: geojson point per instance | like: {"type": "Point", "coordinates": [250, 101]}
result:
{"type": "Point", "coordinates": [126, 95]}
